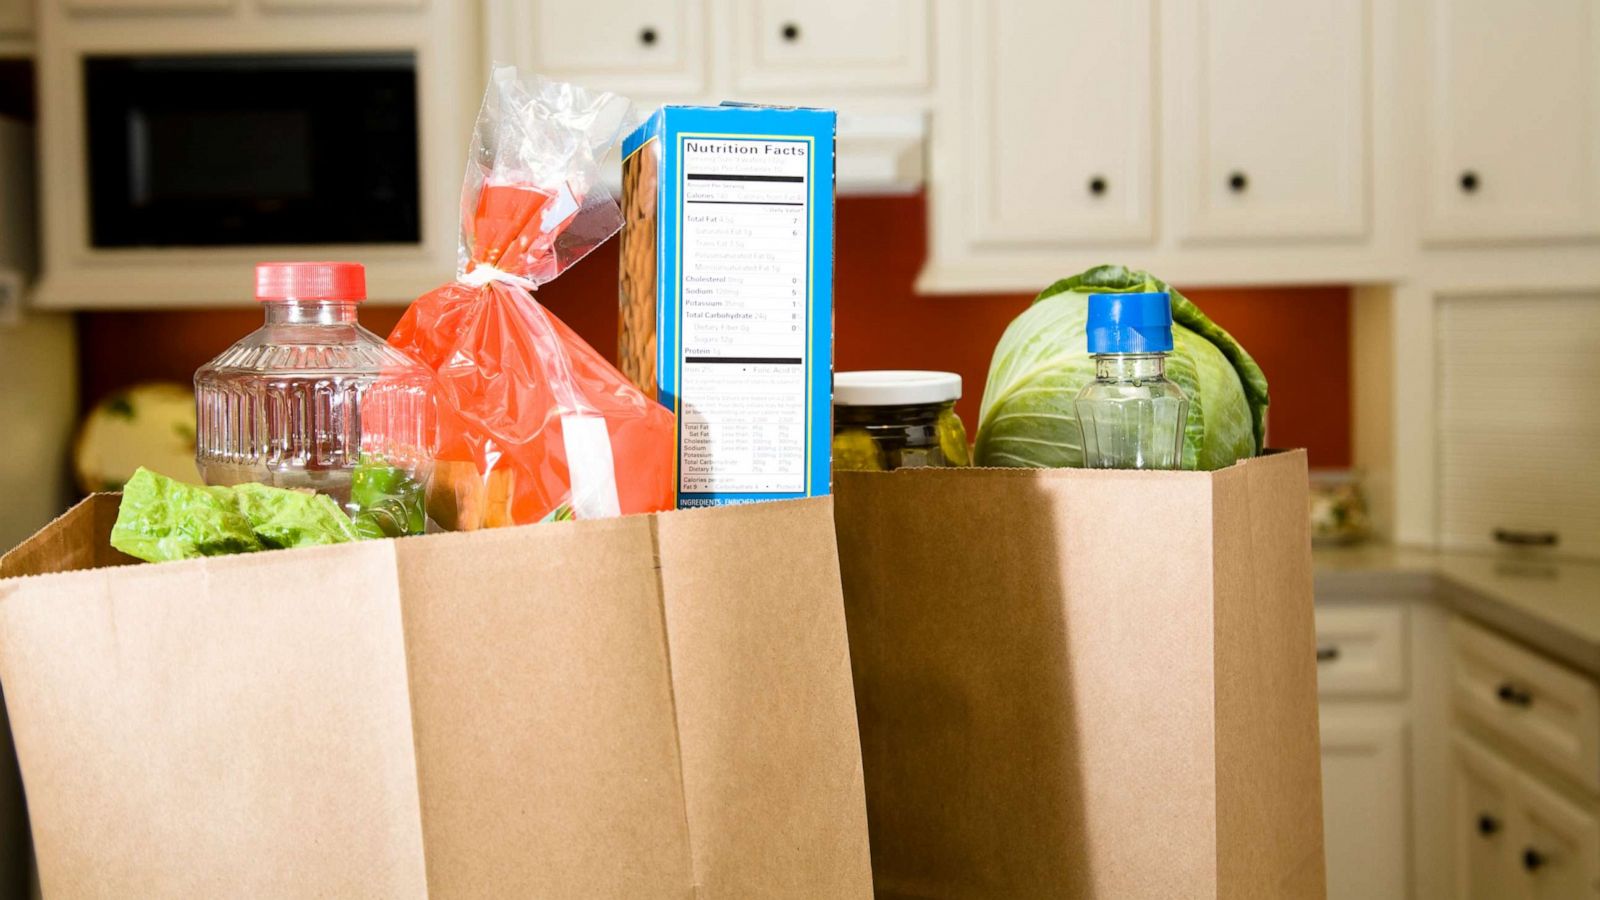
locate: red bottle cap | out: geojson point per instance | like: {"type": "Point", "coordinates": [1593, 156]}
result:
{"type": "Point", "coordinates": [310, 281]}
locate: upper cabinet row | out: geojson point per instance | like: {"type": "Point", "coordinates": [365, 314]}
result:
{"type": "Point", "coordinates": [1250, 140]}
{"type": "Point", "coordinates": [1210, 141]}
{"type": "Point", "coordinates": [1227, 141]}
{"type": "Point", "coordinates": [683, 50]}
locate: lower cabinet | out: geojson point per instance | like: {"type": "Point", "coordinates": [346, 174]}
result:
{"type": "Point", "coordinates": [1517, 836]}
{"type": "Point", "coordinates": [1485, 789]}
{"type": "Point", "coordinates": [1363, 680]}
{"type": "Point", "coordinates": [1364, 801]}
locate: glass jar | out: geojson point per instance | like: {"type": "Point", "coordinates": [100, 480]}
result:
{"type": "Point", "coordinates": [312, 400]}
{"type": "Point", "coordinates": [897, 420]}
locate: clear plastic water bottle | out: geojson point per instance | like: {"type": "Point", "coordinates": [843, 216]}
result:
{"type": "Point", "coordinates": [1131, 416]}
{"type": "Point", "coordinates": [313, 400]}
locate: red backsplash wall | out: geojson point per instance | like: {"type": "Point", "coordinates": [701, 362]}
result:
{"type": "Point", "coordinates": [1300, 336]}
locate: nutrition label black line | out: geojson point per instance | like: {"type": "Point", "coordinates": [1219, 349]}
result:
{"type": "Point", "coordinates": [747, 360]}
{"type": "Point", "coordinates": [712, 176]}
{"type": "Point", "coordinates": [744, 203]}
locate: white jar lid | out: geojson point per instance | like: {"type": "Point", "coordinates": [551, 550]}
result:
{"type": "Point", "coordinates": [897, 387]}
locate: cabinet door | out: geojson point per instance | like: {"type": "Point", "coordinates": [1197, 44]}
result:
{"type": "Point", "coordinates": [1560, 849]}
{"type": "Point", "coordinates": [1513, 94]}
{"type": "Point", "coordinates": [1513, 464]}
{"type": "Point", "coordinates": [1483, 809]}
{"type": "Point", "coordinates": [1273, 109]}
{"type": "Point", "coordinates": [1046, 169]}
{"type": "Point", "coordinates": [797, 45]}
{"type": "Point", "coordinates": [654, 48]}
{"type": "Point", "coordinates": [1364, 791]}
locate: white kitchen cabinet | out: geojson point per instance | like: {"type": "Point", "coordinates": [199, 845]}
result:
{"type": "Point", "coordinates": [1542, 707]}
{"type": "Point", "coordinates": [1037, 172]}
{"type": "Point", "coordinates": [1512, 121]}
{"type": "Point", "coordinates": [1481, 819]}
{"type": "Point", "coordinates": [1560, 852]}
{"type": "Point", "coordinates": [1364, 800]}
{"type": "Point", "coordinates": [1273, 119]}
{"type": "Point", "coordinates": [1518, 836]}
{"type": "Point", "coordinates": [1361, 651]}
{"type": "Point", "coordinates": [1493, 488]}
{"type": "Point", "coordinates": [799, 45]}
{"type": "Point", "coordinates": [655, 49]}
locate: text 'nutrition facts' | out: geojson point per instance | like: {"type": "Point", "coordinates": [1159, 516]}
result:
{"type": "Point", "coordinates": [745, 307]}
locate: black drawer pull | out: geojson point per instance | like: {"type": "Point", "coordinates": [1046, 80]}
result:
{"type": "Point", "coordinates": [647, 36]}
{"type": "Point", "coordinates": [1327, 653]}
{"type": "Point", "coordinates": [790, 32]}
{"type": "Point", "coordinates": [1488, 825]}
{"type": "Point", "coordinates": [1469, 181]}
{"type": "Point", "coordinates": [1532, 859]}
{"type": "Point", "coordinates": [1526, 538]}
{"type": "Point", "coordinates": [1097, 185]}
{"type": "Point", "coordinates": [1510, 693]}
{"type": "Point", "coordinates": [1237, 182]}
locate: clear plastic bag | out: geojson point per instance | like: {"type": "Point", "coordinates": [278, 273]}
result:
{"type": "Point", "coordinates": [533, 423]}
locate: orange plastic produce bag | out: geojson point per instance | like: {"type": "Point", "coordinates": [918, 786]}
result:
{"type": "Point", "coordinates": [533, 424]}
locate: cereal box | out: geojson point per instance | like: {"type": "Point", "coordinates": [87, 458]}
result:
{"type": "Point", "coordinates": [727, 294]}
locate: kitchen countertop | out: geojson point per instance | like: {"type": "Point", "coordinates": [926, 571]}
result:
{"type": "Point", "coordinates": [1550, 604]}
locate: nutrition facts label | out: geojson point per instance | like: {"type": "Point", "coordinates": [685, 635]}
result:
{"type": "Point", "coordinates": [744, 326]}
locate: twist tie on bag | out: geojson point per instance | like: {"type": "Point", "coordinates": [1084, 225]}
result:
{"type": "Point", "coordinates": [483, 274]}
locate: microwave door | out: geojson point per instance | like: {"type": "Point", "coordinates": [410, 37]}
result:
{"type": "Point", "coordinates": [251, 150]}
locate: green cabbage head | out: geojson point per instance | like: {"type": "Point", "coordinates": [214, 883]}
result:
{"type": "Point", "coordinates": [1041, 363]}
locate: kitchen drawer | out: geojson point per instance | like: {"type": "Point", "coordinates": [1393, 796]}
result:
{"type": "Point", "coordinates": [1361, 650]}
{"type": "Point", "coordinates": [1547, 709]}
{"type": "Point", "coordinates": [802, 45]}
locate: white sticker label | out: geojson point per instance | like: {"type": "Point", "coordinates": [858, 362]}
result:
{"type": "Point", "coordinates": [744, 322]}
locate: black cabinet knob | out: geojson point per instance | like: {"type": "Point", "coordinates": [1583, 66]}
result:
{"type": "Point", "coordinates": [1469, 181]}
{"type": "Point", "coordinates": [790, 32]}
{"type": "Point", "coordinates": [1488, 825]}
{"type": "Point", "coordinates": [1237, 182]}
{"type": "Point", "coordinates": [647, 36]}
{"type": "Point", "coordinates": [1097, 185]}
{"type": "Point", "coordinates": [1532, 859]}
{"type": "Point", "coordinates": [1513, 695]}
{"type": "Point", "coordinates": [1327, 653]}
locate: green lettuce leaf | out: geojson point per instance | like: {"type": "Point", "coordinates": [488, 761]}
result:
{"type": "Point", "coordinates": [283, 519]}
{"type": "Point", "coordinates": [161, 519]}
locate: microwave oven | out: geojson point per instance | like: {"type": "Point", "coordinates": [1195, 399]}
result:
{"type": "Point", "coordinates": [252, 149]}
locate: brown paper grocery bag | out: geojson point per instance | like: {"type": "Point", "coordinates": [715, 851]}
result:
{"type": "Point", "coordinates": [1082, 683]}
{"type": "Point", "coordinates": [652, 706]}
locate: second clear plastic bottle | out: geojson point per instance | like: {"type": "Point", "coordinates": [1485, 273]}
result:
{"type": "Point", "coordinates": [1131, 416]}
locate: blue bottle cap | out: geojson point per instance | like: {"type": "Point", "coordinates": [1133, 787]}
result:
{"type": "Point", "coordinates": [1130, 323]}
